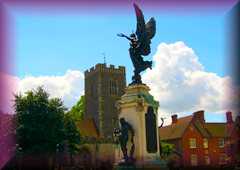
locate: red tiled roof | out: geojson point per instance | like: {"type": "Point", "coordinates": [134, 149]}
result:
{"type": "Point", "coordinates": [175, 130]}
{"type": "Point", "coordinates": [87, 128]}
{"type": "Point", "coordinates": [200, 127]}
{"type": "Point", "coordinates": [217, 129]}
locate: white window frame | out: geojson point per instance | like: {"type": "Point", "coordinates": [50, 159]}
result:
{"type": "Point", "coordinates": [205, 143]}
{"type": "Point", "coordinates": [223, 159]}
{"type": "Point", "coordinates": [207, 160]}
{"type": "Point", "coordinates": [192, 143]}
{"type": "Point", "coordinates": [221, 142]}
{"type": "Point", "coordinates": [194, 159]}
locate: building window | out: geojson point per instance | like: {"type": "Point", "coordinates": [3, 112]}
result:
{"type": "Point", "coordinates": [221, 143]}
{"type": "Point", "coordinates": [205, 143]}
{"type": "Point", "coordinates": [192, 143]}
{"type": "Point", "coordinates": [194, 160]}
{"type": "Point", "coordinates": [222, 159]}
{"type": "Point", "coordinates": [207, 160]}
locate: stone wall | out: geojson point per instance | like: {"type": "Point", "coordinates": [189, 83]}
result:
{"type": "Point", "coordinates": [104, 152]}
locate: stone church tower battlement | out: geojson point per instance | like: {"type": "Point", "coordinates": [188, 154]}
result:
{"type": "Point", "coordinates": [104, 68]}
{"type": "Point", "coordinates": [103, 87]}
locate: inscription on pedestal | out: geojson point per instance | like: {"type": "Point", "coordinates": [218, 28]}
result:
{"type": "Point", "coordinates": [151, 132]}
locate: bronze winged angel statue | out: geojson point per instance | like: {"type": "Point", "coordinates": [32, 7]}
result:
{"type": "Point", "coordinates": [140, 44]}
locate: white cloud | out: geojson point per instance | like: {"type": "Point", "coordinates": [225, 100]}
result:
{"type": "Point", "coordinates": [181, 84]}
{"type": "Point", "coordinates": [68, 87]}
{"type": "Point", "coordinates": [178, 81]}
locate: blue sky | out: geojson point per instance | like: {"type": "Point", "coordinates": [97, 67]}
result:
{"type": "Point", "coordinates": [57, 43]}
{"type": "Point", "coordinates": [52, 44]}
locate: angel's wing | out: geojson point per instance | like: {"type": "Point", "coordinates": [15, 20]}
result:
{"type": "Point", "coordinates": [151, 28]}
{"type": "Point", "coordinates": [140, 31]}
{"type": "Point", "coordinates": [144, 32]}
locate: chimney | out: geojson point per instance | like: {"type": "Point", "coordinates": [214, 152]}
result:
{"type": "Point", "coordinates": [229, 117]}
{"type": "Point", "coordinates": [174, 118]}
{"type": "Point", "coordinates": [199, 115]}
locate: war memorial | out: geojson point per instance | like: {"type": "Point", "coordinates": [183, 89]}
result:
{"type": "Point", "coordinates": [138, 111]}
{"type": "Point", "coordinates": [115, 125]}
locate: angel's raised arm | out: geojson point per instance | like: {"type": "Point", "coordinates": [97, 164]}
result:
{"type": "Point", "coordinates": [123, 35]}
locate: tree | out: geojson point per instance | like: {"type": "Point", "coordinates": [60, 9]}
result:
{"type": "Point", "coordinates": [77, 111]}
{"type": "Point", "coordinates": [166, 149]}
{"type": "Point", "coordinates": [72, 136]}
{"type": "Point", "coordinates": [40, 122]}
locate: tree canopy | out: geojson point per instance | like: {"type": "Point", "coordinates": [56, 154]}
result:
{"type": "Point", "coordinates": [72, 134]}
{"type": "Point", "coordinates": [77, 111]}
{"type": "Point", "coordinates": [40, 122]}
{"type": "Point", "coordinates": [166, 149]}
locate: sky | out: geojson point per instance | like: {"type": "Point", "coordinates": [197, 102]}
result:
{"type": "Point", "coordinates": [79, 41]}
{"type": "Point", "coordinates": [188, 53]}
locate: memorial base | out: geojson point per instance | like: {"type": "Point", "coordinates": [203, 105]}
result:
{"type": "Point", "coordinates": [138, 107]}
{"type": "Point", "coordinates": [152, 165]}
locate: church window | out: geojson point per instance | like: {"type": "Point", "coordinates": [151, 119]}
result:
{"type": "Point", "coordinates": [113, 88]}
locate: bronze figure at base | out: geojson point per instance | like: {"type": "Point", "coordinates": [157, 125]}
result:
{"type": "Point", "coordinates": [122, 135]}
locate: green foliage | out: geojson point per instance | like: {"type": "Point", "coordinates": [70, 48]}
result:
{"type": "Point", "coordinates": [40, 122]}
{"type": "Point", "coordinates": [77, 111]}
{"type": "Point", "coordinates": [72, 135]}
{"type": "Point", "coordinates": [166, 149]}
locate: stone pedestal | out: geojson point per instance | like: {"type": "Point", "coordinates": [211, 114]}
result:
{"type": "Point", "coordinates": [134, 107]}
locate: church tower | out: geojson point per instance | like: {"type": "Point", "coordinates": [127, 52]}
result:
{"type": "Point", "coordinates": [103, 87]}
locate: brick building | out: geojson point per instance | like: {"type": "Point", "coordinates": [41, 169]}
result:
{"type": "Point", "coordinates": [201, 143]}
{"type": "Point", "coordinates": [103, 87]}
